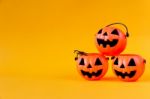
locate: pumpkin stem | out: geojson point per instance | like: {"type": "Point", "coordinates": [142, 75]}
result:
{"type": "Point", "coordinates": [144, 60]}
{"type": "Point", "coordinates": [107, 58]}
{"type": "Point", "coordinates": [79, 53]}
{"type": "Point", "coordinates": [112, 57]}
{"type": "Point", "coordinates": [127, 33]}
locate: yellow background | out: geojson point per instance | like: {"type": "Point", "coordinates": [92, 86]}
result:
{"type": "Point", "coordinates": [37, 39]}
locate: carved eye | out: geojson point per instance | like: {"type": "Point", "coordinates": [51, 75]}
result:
{"type": "Point", "coordinates": [116, 61]}
{"type": "Point", "coordinates": [100, 31]}
{"type": "Point", "coordinates": [132, 62]}
{"type": "Point", "coordinates": [115, 32]}
{"type": "Point", "coordinates": [98, 62]}
{"type": "Point", "coordinates": [82, 62]}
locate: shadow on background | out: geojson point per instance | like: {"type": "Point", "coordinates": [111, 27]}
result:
{"type": "Point", "coordinates": [105, 79]}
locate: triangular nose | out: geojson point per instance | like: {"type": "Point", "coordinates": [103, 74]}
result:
{"type": "Point", "coordinates": [89, 66]}
{"type": "Point", "coordinates": [105, 34]}
{"type": "Point", "coordinates": [122, 66]}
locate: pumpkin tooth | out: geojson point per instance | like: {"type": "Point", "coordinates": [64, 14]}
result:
{"type": "Point", "coordinates": [98, 72]}
{"type": "Point", "coordinates": [132, 73]}
{"type": "Point", "coordinates": [113, 42]}
{"type": "Point", "coordinates": [123, 71]}
{"type": "Point", "coordinates": [105, 39]}
{"type": "Point", "coordinates": [100, 41]}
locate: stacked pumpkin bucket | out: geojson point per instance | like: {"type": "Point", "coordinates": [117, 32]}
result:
{"type": "Point", "coordinates": [110, 42]}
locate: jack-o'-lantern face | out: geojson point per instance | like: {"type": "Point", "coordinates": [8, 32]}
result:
{"type": "Point", "coordinates": [92, 66]}
{"type": "Point", "coordinates": [128, 67]}
{"type": "Point", "coordinates": [110, 41]}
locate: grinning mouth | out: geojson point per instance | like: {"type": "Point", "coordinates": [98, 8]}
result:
{"type": "Point", "coordinates": [130, 75]}
{"type": "Point", "coordinates": [108, 42]}
{"type": "Point", "coordinates": [92, 74]}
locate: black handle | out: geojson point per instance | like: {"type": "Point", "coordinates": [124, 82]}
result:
{"type": "Point", "coordinates": [127, 33]}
